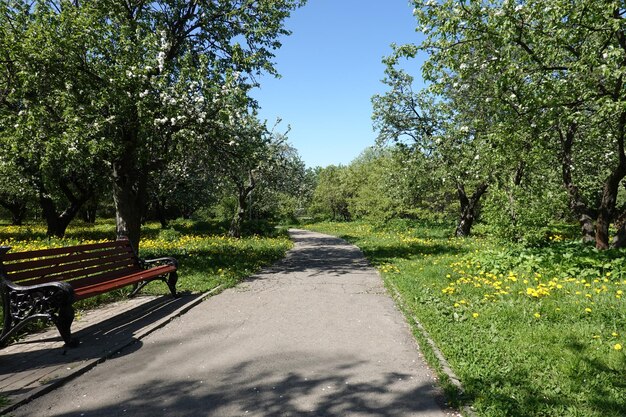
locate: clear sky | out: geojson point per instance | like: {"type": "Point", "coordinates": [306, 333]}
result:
{"type": "Point", "coordinates": [331, 66]}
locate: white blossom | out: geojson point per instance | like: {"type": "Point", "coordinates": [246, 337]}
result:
{"type": "Point", "coordinates": [161, 60]}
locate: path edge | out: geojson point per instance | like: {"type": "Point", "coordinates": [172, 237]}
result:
{"type": "Point", "coordinates": [442, 366]}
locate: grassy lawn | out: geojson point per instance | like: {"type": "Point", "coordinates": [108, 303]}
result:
{"type": "Point", "coordinates": [207, 258]}
{"type": "Point", "coordinates": [530, 331]}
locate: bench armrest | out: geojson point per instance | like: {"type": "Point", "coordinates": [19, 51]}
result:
{"type": "Point", "coordinates": [39, 298]}
{"type": "Point", "coordinates": [23, 303]}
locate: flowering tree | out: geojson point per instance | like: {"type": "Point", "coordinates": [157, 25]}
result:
{"type": "Point", "coordinates": [547, 77]}
{"type": "Point", "coordinates": [147, 78]}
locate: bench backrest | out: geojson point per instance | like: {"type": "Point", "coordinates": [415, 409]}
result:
{"type": "Point", "coordinates": [98, 261]}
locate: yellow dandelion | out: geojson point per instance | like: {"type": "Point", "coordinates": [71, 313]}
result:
{"type": "Point", "coordinates": [475, 315]}
{"type": "Point", "coordinates": [617, 346]}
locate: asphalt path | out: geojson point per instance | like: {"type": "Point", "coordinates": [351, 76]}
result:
{"type": "Point", "coordinates": [315, 335]}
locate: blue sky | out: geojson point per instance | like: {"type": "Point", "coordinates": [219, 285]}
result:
{"type": "Point", "coordinates": [331, 67]}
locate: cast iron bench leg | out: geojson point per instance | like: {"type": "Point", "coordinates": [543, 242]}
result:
{"type": "Point", "coordinates": [171, 283]}
{"type": "Point", "coordinates": [64, 324]}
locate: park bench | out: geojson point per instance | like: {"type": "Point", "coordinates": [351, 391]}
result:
{"type": "Point", "coordinates": [45, 283]}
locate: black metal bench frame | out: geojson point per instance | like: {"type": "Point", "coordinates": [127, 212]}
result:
{"type": "Point", "coordinates": [44, 284]}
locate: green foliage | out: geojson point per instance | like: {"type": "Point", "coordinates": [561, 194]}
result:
{"type": "Point", "coordinates": [521, 212]}
{"type": "Point", "coordinates": [331, 195]}
{"type": "Point", "coordinates": [149, 92]}
{"type": "Point", "coordinates": [540, 82]}
{"type": "Point", "coordinates": [529, 331]}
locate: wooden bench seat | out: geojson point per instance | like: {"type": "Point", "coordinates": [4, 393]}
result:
{"type": "Point", "coordinates": [44, 283]}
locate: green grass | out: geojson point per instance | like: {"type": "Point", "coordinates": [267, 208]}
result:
{"type": "Point", "coordinates": [530, 331]}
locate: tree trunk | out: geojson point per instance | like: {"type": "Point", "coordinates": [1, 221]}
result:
{"type": "Point", "coordinates": [607, 206]}
{"type": "Point", "coordinates": [469, 208]}
{"type": "Point", "coordinates": [57, 223]}
{"type": "Point", "coordinates": [17, 209]}
{"type": "Point", "coordinates": [606, 211]}
{"type": "Point", "coordinates": [160, 213]}
{"type": "Point", "coordinates": [235, 224]}
{"type": "Point", "coordinates": [90, 211]}
{"type": "Point", "coordinates": [619, 241]}
{"type": "Point", "coordinates": [243, 191]}
{"type": "Point", "coordinates": [578, 206]}
{"type": "Point", "coordinates": [129, 191]}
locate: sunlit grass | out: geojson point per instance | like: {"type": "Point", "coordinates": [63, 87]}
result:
{"type": "Point", "coordinates": [530, 331]}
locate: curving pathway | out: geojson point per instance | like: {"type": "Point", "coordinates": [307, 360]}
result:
{"type": "Point", "coordinates": [315, 335]}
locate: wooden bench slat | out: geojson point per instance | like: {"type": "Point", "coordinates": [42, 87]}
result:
{"type": "Point", "coordinates": [70, 277]}
{"type": "Point", "coordinates": [101, 286]}
{"type": "Point", "coordinates": [67, 259]}
{"type": "Point", "coordinates": [65, 272]}
{"type": "Point", "coordinates": [68, 274]}
{"type": "Point", "coordinates": [14, 256]}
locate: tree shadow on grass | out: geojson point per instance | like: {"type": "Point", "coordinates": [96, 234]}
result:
{"type": "Point", "coordinates": [519, 393]}
{"type": "Point", "coordinates": [590, 370]}
{"type": "Point", "coordinates": [388, 252]}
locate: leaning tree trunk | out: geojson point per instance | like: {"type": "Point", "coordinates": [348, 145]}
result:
{"type": "Point", "coordinates": [469, 208]}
